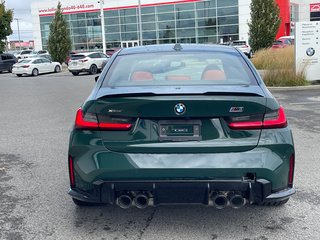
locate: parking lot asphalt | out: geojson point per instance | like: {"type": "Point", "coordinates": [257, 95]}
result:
{"type": "Point", "coordinates": [36, 116]}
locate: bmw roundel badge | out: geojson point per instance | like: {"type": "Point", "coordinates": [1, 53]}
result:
{"type": "Point", "coordinates": [180, 109]}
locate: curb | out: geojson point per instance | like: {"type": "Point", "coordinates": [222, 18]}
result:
{"type": "Point", "coordinates": [309, 87]}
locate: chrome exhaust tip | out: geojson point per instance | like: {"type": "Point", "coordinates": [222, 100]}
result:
{"type": "Point", "coordinates": [141, 201]}
{"type": "Point", "coordinates": [124, 201]}
{"type": "Point", "coordinates": [220, 201]}
{"type": "Point", "coordinates": [236, 200]}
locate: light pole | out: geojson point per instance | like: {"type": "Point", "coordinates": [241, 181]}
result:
{"type": "Point", "coordinates": [140, 23]}
{"type": "Point", "coordinates": [102, 26]}
{"type": "Point", "coordinates": [17, 19]}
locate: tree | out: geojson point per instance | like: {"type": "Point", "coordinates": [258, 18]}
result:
{"type": "Point", "coordinates": [264, 23]}
{"type": "Point", "coordinates": [6, 17]}
{"type": "Point", "coordinates": [59, 41]}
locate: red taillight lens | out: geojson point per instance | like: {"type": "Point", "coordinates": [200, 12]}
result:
{"type": "Point", "coordinates": [81, 122]}
{"type": "Point", "coordinates": [71, 172]}
{"type": "Point", "coordinates": [89, 121]}
{"type": "Point", "coordinates": [278, 120]}
{"type": "Point", "coordinates": [26, 66]}
{"type": "Point", "coordinates": [245, 125]}
{"type": "Point", "coordinates": [271, 120]}
{"type": "Point", "coordinates": [115, 126]}
{"type": "Point", "coordinates": [83, 60]}
{"type": "Point", "coordinates": [291, 171]}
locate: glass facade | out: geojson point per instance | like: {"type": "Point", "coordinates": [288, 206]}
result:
{"type": "Point", "coordinates": [208, 21]}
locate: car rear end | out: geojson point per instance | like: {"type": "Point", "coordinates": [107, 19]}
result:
{"type": "Point", "coordinates": [173, 126]}
{"type": "Point", "coordinates": [79, 63]}
{"type": "Point", "coordinates": [243, 47]}
{"type": "Point", "coordinates": [23, 67]}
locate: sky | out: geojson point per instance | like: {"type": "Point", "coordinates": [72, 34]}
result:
{"type": "Point", "coordinates": [22, 11]}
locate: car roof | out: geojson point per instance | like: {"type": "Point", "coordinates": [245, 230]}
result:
{"type": "Point", "coordinates": [34, 58]}
{"type": "Point", "coordinates": [178, 47]}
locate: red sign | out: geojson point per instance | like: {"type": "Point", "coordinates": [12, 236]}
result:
{"type": "Point", "coordinates": [315, 7]}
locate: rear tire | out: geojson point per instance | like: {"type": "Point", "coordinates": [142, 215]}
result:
{"type": "Point", "coordinates": [19, 75]}
{"type": "Point", "coordinates": [93, 69]}
{"type": "Point", "coordinates": [35, 72]}
{"type": "Point", "coordinates": [82, 203]}
{"type": "Point", "coordinates": [250, 54]}
{"type": "Point", "coordinates": [75, 73]}
{"type": "Point", "coordinates": [57, 69]}
{"type": "Point", "coordinates": [10, 69]}
{"type": "Point", "coordinates": [275, 203]}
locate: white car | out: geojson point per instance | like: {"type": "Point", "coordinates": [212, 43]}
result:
{"type": "Point", "coordinates": [244, 47]}
{"type": "Point", "coordinates": [90, 62]}
{"type": "Point", "coordinates": [35, 66]}
{"type": "Point", "coordinates": [25, 54]}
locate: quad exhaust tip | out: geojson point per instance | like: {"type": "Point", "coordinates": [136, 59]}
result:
{"type": "Point", "coordinates": [236, 200]}
{"type": "Point", "coordinates": [141, 201]}
{"type": "Point", "coordinates": [124, 201]}
{"type": "Point", "coordinates": [220, 201]}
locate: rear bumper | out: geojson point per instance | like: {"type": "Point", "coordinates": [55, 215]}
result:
{"type": "Point", "coordinates": [181, 192]}
{"type": "Point", "coordinates": [79, 70]}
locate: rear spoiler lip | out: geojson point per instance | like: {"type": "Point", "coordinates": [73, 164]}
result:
{"type": "Point", "coordinates": [254, 91]}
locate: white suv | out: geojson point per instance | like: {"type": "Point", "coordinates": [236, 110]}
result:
{"type": "Point", "coordinates": [90, 62]}
{"type": "Point", "coordinates": [243, 47]}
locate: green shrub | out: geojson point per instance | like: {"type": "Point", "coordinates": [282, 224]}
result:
{"type": "Point", "coordinates": [279, 66]}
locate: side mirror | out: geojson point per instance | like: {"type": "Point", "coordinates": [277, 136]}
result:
{"type": "Point", "coordinates": [96, 78]}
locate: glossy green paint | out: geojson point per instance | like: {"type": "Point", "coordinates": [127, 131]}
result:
{"type": "Point", "coordinates": [219, 154]}
{"type": "Point", "coordinates": [269, 160]}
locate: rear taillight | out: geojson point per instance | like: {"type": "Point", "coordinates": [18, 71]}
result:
{"type": "Point", "coordinates": [275, 119]}
{"type": "Point", "coordinates": [71, 172]}
{"type": "Point", "coordinates": [90, 121]}
{"type": "Point", "coordinates": [26, 66]}
{"type": "Point", "coordinates": [291, 171]}
{"type": "Point", "coordinates": [83, 60]}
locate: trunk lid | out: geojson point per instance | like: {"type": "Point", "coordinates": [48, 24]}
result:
{"type": "Point", "coordinates": [187, 122]}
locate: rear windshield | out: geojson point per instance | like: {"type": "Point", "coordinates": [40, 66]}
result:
{"type": "Point", "coordinates": [182, 69]}
{"type": "Point", "coordinates": [77, 56]}
{"type": "Point", "coordinates": [25, 61]}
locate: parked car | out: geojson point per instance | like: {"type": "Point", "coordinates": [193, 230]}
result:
{"type": "Point", "coordinates": [90, 62]}
{"type": "Point", "coordinates": [291, 38]}
{"type": "Point", "coordinates": [25, 54]}
{"type": "Point", "coordinates": [181, 124]}
{"type": "Point", "coordinates": [281, 43]}
{"type": "Point", "coordinates": [6, 62]}
{"type": "Point", "coordinates": [244, 47]}
{"type": "Point", "coordinates": [35, 66]}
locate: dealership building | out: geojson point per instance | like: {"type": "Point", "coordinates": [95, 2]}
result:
{"type": "Point", "coordinates": [162, 21]}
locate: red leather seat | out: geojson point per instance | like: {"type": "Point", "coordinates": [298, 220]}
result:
{"type": "Point", "coordinates": [141, 76]}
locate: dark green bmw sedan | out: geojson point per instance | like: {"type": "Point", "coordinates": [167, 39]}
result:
{"type": "Point", "coordinates": [180, 124]}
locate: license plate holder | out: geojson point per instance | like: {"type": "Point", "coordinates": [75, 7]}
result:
{"type": "Point", "coordinates": [179, 130]}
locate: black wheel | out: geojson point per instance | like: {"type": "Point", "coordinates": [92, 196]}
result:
{"type": "Point", "coordinates": [35, 72]}
{"type": "Point", "coordinates": [82, 203]}
{"type": "Point", "coordinates": [93, 69]}
{"type": "Point", "coordinates": [250, 54]}
{"type": "Point", "coordinates": [275, 203]}
{"type": "Point", "coordinates": [10, 69]}
{"type": "Point", "coordinates": [19, 75]}
{"type": "Point", "coordinates": [57, 69]}
{"type": "Point", "coordinates": [75, 73]}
